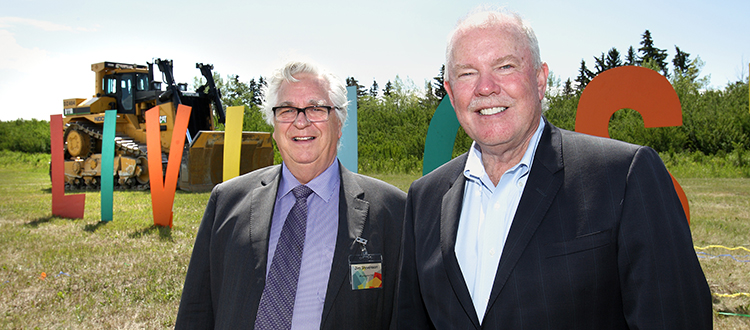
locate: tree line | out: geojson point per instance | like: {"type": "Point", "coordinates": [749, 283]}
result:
{"type": "Point", "coordinates": [30, 136]}
{"type": "Point", "coordinates": [649, 56]}
{"type": "Point", "coordinates": [393, 119]}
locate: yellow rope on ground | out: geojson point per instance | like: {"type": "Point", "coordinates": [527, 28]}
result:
{"type": "Point", "coordinates": [721, 247]}
{"type": "Point", "coordinates": [731, 295]}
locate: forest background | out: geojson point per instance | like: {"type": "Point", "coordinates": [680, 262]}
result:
{"type": "Point", "coordinates": [393, 120]}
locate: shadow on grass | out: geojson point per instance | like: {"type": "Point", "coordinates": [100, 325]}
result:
{"type": "Point", "coordinates": [165, 233]}
{"type": "Point", "coordinates": [38, 221]}
{"type": "Point", "coordinates": [185, 192]}
{"type": "Point", "coordinates": [92, 228]}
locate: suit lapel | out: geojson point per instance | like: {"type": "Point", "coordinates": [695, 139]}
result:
{"type": "Point", "coordinates": [543, 184]}
{"type": "Point", "coordinates": [353, 211]}
{"type": "Point", "coordinates": [261, 212]}
{"type": "Point", "coordinates": [450, 213]}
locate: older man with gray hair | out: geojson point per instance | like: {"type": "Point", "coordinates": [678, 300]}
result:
{"type": "Point", "coordinates": [537, 227]}
{"type": "Point", "coordinates": [302, 245]}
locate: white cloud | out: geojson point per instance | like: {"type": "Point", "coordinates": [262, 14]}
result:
{"type": "Point", "coordinates": [6, 22]}
{"type": "Point", "coordinates": [34, 79]}
{"type": "Point", "coordinates": [19, 58]}
{"type": "Point", "coordinates": [16, 57]}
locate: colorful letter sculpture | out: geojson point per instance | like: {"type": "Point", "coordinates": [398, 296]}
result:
{"type": "Point", "coordinates": [630, 87]}
{"type": "Point", "coordinates": [441, 136]}
{"type": "Point", "coordinates": [163, 189]}
{"type": "Point", "coordinates": [233, 142]}
{"type": "Point", "coordinates": [348, 144]}
{"type": "Point", "coordinates": [66, 206]}
{"type": "Point", "coordinates": [108, 164]}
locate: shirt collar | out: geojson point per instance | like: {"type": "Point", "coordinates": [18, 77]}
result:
{"type": "Point", "coordinates": [322, 185]}
{"type": "Point", "coordinates": [474, 169]}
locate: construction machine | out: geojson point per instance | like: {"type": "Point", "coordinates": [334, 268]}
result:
{"type": "Point", "coordinates": [131, 90]}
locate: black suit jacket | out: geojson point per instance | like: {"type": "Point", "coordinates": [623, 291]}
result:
{"type": "Point", "coordinates": [599, 241]}
{"type": "Point", "coordinates": [227, 270]}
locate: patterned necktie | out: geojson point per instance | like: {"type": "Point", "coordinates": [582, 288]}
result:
{"type": "Point", "coordinates": [277, 301]}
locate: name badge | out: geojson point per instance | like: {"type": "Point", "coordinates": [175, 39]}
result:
{"type": "Point", "coordinates": [365, 270]}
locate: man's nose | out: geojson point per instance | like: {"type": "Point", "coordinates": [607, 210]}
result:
{"type": "Point", "coordinates": [487, 85]}
{"type": "Point", "coordinates": [301, 120]}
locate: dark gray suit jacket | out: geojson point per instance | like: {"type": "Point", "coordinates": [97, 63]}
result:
{"type": "Point", "coordinates": [227, 270]}
{"type": "Point", "coordinates": [599, 241]}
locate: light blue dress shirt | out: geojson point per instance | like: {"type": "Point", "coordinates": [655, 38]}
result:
{"type": "Point", "coordinates": [320, 240]}
{"type": "Point", "coordinates": [486, 216]}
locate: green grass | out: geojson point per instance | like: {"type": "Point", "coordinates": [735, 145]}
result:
{"type": "Point", "coordinates": [126, 273]}
{"type": "Point", "coordinates": [720, 215]}
{"type": "Point", "coordinates": [129, 274]}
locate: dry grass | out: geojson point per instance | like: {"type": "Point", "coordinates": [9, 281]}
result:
{"type": "Point", "coordinates": [720, 215]}
{"type": "Point", "coordinates": [128, 274]}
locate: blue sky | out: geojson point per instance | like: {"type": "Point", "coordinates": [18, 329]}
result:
{"type": "Point", "coordinates": [47, 47]}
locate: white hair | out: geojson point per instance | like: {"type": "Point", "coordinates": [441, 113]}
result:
{"type": "Point", "coordinates": [336, 88]}
{"type": "Point", "coordinates": [485, 17]}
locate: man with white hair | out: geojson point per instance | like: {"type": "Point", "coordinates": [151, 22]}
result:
{"type": "Point", "coordinates": [302, 245]}
{"type": "Point", "coordinates": [537, 227]}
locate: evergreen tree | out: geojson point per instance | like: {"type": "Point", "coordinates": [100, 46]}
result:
{"type": "Point", "coordinates": [600, 64]}
{"type": "Point", "coordinates": [631, 58]}
{"type": "Point", "coordinates": [613, 59]}
{"type": "Point", "coordinates": [429, 93]}
{"type": "Point", "coordinates": [374, 89]}
{"type": "Point", "coordinates": [649, 51]}
{"type": "Point", "coordinates": [388, 90]}
{"type": "Point", "coordinates": [681, 61]}
{"type": "Point", "coordinates": [263, 84]}
{"type": "Point", "coordinates": [584, 76]}
{"type": "Point", "coordinates": [256, 88]}
{"type": "Point", "coordinates": [438, 86]}
{"type": "Point", "coordinates": [609, 61]}
{"type": "Point", "coordinates": [568, 88]}
{"type": "Point", "coordinates": [361, 91]}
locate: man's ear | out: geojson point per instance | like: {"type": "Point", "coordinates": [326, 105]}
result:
{"type": "Point", "coordinates": [541, 79]}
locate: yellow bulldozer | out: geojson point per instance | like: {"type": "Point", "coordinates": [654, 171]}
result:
{"type": "Point", "coordinates": [132, 90]}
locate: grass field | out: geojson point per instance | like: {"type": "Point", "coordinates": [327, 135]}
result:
{"type": "Point", "coordinates": [125, 274]}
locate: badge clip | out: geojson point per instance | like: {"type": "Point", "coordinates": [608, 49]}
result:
{"type": "Point", "coordinates": [363, 245]}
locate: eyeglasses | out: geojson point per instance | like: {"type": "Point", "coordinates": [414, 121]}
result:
{"type": "Point", "coordinates": [314, 113]}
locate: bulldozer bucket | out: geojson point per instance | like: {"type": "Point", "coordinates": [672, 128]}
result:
{"type": "Point", "coordinates": [202, 163]}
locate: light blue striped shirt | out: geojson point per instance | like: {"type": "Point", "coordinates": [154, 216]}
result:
{"type": "Point", "coordinates": [486, 216]}
{"type": "Point", "coordinates": [320, 240]}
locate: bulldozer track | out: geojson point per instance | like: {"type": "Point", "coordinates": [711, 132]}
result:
{"type": "Point", "coordinates": [122, 143]}
{"type": "Point", "coordinates": [125, 145]}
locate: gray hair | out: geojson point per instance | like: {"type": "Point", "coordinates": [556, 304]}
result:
{"type": "Point", "coordinates": [336, 88]}
{"type": "Point", "coordinates": [485, 17]}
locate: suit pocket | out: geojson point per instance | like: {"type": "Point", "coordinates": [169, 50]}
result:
{"type": "Point", "coordinates": [579, 244]}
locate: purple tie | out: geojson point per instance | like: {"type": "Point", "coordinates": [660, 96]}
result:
{"type": "Point", "coordinates": [277, 301]}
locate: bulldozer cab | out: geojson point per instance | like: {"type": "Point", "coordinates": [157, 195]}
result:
{"type": "Point", "coordinates": [126, 89]}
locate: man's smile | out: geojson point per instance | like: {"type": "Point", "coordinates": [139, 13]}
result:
{"type": "Point", "coordinates": [492, 111]}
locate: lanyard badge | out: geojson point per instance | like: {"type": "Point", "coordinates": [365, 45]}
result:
{"type": "Point", "coordinates": [365, 270]}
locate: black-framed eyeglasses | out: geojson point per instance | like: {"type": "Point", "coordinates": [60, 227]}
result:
{"type": "Point", "coordinates": [314, 113]}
